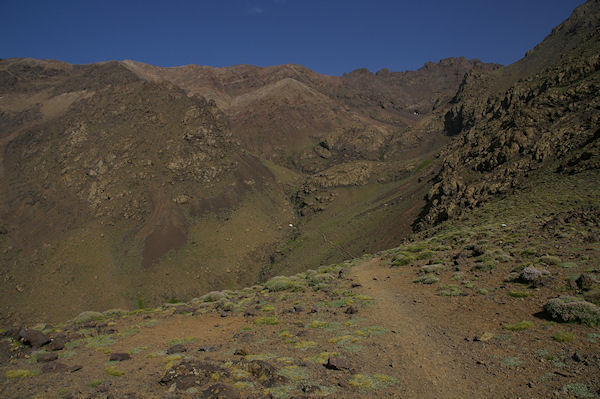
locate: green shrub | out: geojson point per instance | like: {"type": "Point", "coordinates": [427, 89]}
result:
{"type": "Point", "coordinates": [579, 390]}
{"type": "Point", "coordinates": [550, 260]}
{"type": "Point", "coordinates": [402, 260]}
{"type": "Point", "coordinates": [426, 279]}
{"type": "Point", "coordinates": [519, 294]}
{"type": "Point", "coordinates": [563, 336]}
{"type": "Point", "coordinates": [570, 309]}
{"type": "Point", "coordinates": [19, 373]}
{"type": "Point", "coordinates": [271, 321]}
{"type": "Point", "coordinates": [279, 283]}
{"type": "Point", "coordinates": [114, 371]}
{"type": "Point", "coordinates": [449, 290]}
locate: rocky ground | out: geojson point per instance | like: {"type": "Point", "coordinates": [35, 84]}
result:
{"type": "Point", "coordinates": [469, 308]}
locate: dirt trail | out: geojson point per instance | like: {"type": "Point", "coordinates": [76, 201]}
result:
{"type": "Point", "coordinates": [423, 362]}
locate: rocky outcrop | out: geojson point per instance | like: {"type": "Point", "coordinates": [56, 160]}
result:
{"type": "Point", "coordinates": [547, 120]}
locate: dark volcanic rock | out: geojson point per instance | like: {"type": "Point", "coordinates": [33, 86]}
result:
{"type": "Point", "coordinates": [119, 357]}
{"type": "Point", "coordinates": [351, 310]}
{"type": "Point", "coordinates": [336, 363]}
{"type": "Point", "coordinates": [46, 357]}
{"type": "Point", "coordinates": [179, 348]}
{"type": "Point", "coordinates": [220, 391]}
{"type": "Point", "coordinates": [34, 338]}
{"type": "Point", "coordinates": [586, 281]}
{"type": "Point", "coordinates": [58, 343]}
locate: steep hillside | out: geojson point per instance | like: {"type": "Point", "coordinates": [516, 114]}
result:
{"type": "Point", "coordinates": [548, 119]}
{"type": "Point", "coordinates": [131, 192]}
{"type": "Point", "coordinates": [126, 184]}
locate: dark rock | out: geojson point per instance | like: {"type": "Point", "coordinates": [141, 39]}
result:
{"type": "Point", "coordinates": [46, 357]}
{"type": "Point", "coordinates": [190, 373]}
{"type": "Point", "coordinates": [220, 391]}
{"type": "Point", "coordinates": [34, 338]}
{"type": "Point", "coordinates": [179, 348]}
{"type": "Point", "coordinates": [241, 352]}
{"type": "Point", "coordinates": [577, 357]}
{"type": "Point", "coordinates": [250, 313]}
{"type": "Point", "coordinates": [119, 357]}
{"type": "Point", "coordinates": [336, 363]}
{"type": "Point", "coordinates": [351, 310]}
{"type": "Point", "coordinates": [586, 282]}
{"type": "Point", "coordinates": [298, 309]}
{"type": "Point", "coordinates": [356, 285]}
{"type": "Point", "coordinates": [206, 349]}
{"type": "Point", "coordinates": [75, 368]}
{"type": "Point", "coordinates": [265, 373]}
{"type": "Point", "coordinates": [54, 367]}
{"type": "Point", "coordinates": [58, 343]}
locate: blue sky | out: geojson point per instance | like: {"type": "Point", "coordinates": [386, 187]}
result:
{"type": "Point", "coordinates": [328, 36]}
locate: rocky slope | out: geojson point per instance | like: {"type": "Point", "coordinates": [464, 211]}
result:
{"type": "Point", "coordinates": [547, 117]}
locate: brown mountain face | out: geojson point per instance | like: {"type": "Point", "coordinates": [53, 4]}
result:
{"type": "Point", "coordinates": [125, 184]}
{"type": "Point", "coordinates": [279, 111]}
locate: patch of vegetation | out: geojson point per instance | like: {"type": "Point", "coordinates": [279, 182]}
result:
{"type": "Point", "coordinates": [182, 341]}
{"type": "Point", "coordinates": [424, 255]}
{"type": "Point", "coordinates": [550, 260]}
{"type": "Point", "coordinates": [579, 390]}
{"type": "Point", "coordinates": [268, 308]}
{"type": "Point", "coordinates": [317, 324]}
{"type": "Point", "coordinates": [433, 268]}
{"type": "Point", "coordinates": [522, 325]}
{"type": "Point", "coordinates": [568, 265]}
{"type": "Point", "coordinates": [402, 260]}
{"type": "Point", "coordinates": [20, 373]}
{"type": "Point", "coordinates": [282, 283]}
{"type": "Point", "coordinates": [100, 341]}
{"type": "Point", "coordinates": [519, 294]}
{"type": "Point", "coordinates": [563, 336]}
{"type": "Point", "coordinates": [370, 331]}
{"type": "Point", "coordinates": [322, 357]}
{"type": "Point", "coordinates": [295, 373]}
{"type": "Point", "coordinates": [426, 279]}
{"type": "Point", "coordinates": [511, 362]}
{"type": "Point", "coordinates": [449, 290]}
{"type": "Point", "coordinates": [303, 345]}
{"type": "Point", "coordinates": [95, 383]}
{"type": "Point", "coordinates": [271, 321]}
{"type": "Point", "coordinates": [261, 356]}
{"type": "Point", "coordinates": [571, 309]}
{"type": "Point", "coordinates": [114, 371]}
{"type": "Point", "coordinates": [372, 381]}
